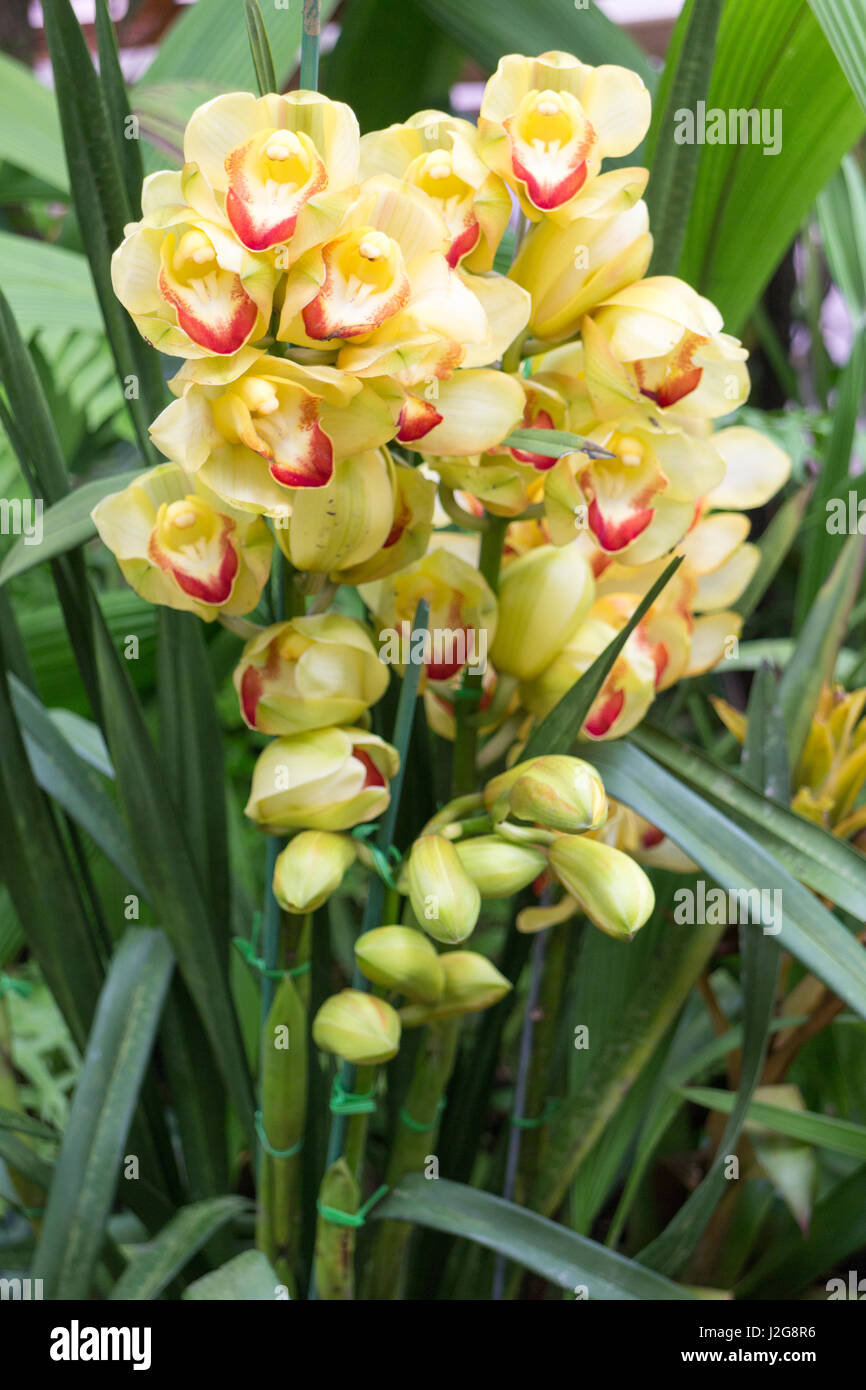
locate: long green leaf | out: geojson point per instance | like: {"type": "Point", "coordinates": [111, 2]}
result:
{"type": "Point", "coordinates": [825, 1132]}
{"type": "Point", "coordinates": [836, 1231]}
{"type": "Point", "coordinates": [675, 165]}
{"type": "Point", "coordinates": [567, 1260]}
{"type": "Point", "coordinates": [88, 1166]}
{"type": "Point", "coordinates": [248, 1278]}
{"type": "Point", "coordinates": [65, 526]}
{"type": "Point", "coordinates": [844, 23]}
{"type": "Point", "coordinates": [842, 218]}
{"type": "Point", "coordinates": [47, 286]}
{"type": "Point", "coordinates": [29, 128]}
{"type": "Point", "coordinates": [558, 730]}
{"type": "Point", "coordinates": [153, 1266]}
{"type": "Point", "coordinates": [207, 42]}
{"type": "Point", "coordinates": [769, 57]}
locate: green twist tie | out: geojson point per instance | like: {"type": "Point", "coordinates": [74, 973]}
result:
{"type": "Point", "coordinates": [268, 1147]}
{"type": "Point", "coordinates": [382, 860]}
{"type": "Point", "coordinates": [345, 1102]}
{"type": "Point", "coordinates": [526, 1122]}
{"type": "Point", "coordinates": [468, 692]}
{"type": "Point", "coordinates": [249, 951]}
{"type": "Point", "coordinates": [9, 985]}
{"type": "Point", "coordinates": [300, 969]}
{"type": "Point", "coordinates": [351, 1218]}
{"type": "Point", "coordinates": [407, 1120]}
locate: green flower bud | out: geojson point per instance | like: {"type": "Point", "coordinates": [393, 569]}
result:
{"type": "Point", "coordinates": [403, 959]}
{"type": "Point", "coordinates": [498, 868]}
{"type": "Point", "coordinates": [612, 889]}
{"type": "Point", "coordinates": [472, 983]}
{"type": "Point", "coordinates": [444, 898]}
{"type": "Point", "coordinates": [543, 598]}
{"type": "Point", "coordinates": [309, 869]}
{"type": "Point", "coordinates": [555, 791]}
{"type": "Point", "coordinates": [358, 1027]}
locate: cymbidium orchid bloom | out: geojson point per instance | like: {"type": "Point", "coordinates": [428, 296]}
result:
{"type": "Point", "coordinates": [659, 343]}
{"type": "Point", "coordinates": [252, 432]}
{"type": "Point", "coordinates": [439, 154]}
{"type": "Point", "coordinates": [308, 673]}
{"type": "Point", "coordinates": [178, 544]}
{"type": "Point", "coordinates": [276, 162]}
{"type": "Point", "coordinates": [624, 829]}
{"type": "Point", "coordinates": [547, 123]}
{"type": "Point", "coordinates": [569, 270]}
{"type": "Point", "coordinates": [462, 620]}
{"type": "Point", "coordinates": [381, 295]}
{"type": "Point", "coordinates": [326, 779]}
{"type": "Point", "coordinates": [469, 413]}
{"type": "Point", "coordinates": [373, 517]}
{"type": "Point", "coordinates": [626, 694]}
{"type": "Point", "coordinates": [191, 288]}
{"type": "Point", "coordinates": [543, 599]}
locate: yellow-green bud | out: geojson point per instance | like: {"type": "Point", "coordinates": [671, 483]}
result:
{"type": "Point", "coordinates": [403, 959]}
{"type": "Point", "coordinates": [543, 598]}
{"type": "Point", "coordinates": [444, 898]}
{"type": "Point", "coordinates": [612, 889]}
{"type": "Point", "coordinates": [358, 1027]}
{"type": "Point", "coordinates": [555, 791]}
{"type": "Point", "coordinates": [310, 867]}
{"type": "Point", "coordinates": [472, 983]}
{"type": "Point", "coordinates": [498, 868]}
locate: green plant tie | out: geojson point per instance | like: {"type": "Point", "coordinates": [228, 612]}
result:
{"type": "Point", "coordinates": [528, 1122]}
{"type": "Point", "coordinates": [351, 1218]}
{"type": "Point", "coordinates": [345, 1102]}
{"type": "Point", "coordinates": [383, 860]}
{"type": "Point", "coordinates": [268, 1147]}
{"type": "Point", "coordinates": [249, 951]}
{"type": "Point", "coordinates": [408, 1121]}
{"type": "Point", "coordinates": [9, 985]}
{"type": "Point", "coordinates": [468, 692]}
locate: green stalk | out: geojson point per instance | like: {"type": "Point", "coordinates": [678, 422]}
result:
{"type": "Point", "coordinates": [283, 1113]}
{"type": "Point", "coordinates": [358, 1125]}
{"type": "Point", "coordinates": [335, 1244]}
{"type": "Point", "coordinates": [410, 1150]}
{"type": "Point", "coordinates": [543, 1042]}
{"type": "Point", "coordinates": [310, 47]}
{"type": "Point", "coordinates": [466, 738]}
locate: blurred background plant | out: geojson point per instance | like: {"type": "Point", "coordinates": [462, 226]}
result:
{"type": "Point", "coordinates": [124, 780]}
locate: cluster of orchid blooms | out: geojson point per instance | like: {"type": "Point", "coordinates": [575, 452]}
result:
{"type": "Point", "coordinates": [352, 369]}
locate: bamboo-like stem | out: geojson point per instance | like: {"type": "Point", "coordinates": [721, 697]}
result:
{"type": "Point", "coordinates": [466, 738]}
{"type": "Point", "coordinates": [310, 47]}
{"type": "Point", "coordinates": [411, 1147]}
{"type": "Point", "coordinates": [544, 1040]}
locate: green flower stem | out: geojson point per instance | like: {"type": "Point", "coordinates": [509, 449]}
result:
{"type": "Point", "coordinates": [334, 1269]}
{"type": "Point", "coordinates": [358, 1125]}
{"type": "Point", "coordinates": [466, 740]}
{"type": "Point", "coordinates": [412, 1144]}
{"type": "Point", "coordinates": [543, 1041]}
{"type": "Point", "coordinates": [451, 812]}
{"type": "Point", "coordinates": [310, 46]}
{"type": "Point", "coordinates": [283, 1116]}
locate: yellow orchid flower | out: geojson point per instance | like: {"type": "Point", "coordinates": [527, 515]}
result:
{"type": "Point", "coordinates": [177, 544]}
{"type": "Point", "coordinates": [626, 695]}
{"type": "Point", "coordinates": [307, 673]}
{"type": "Point", "coordinates": [324, 779]}
{"type": "Point", "coordinates": [276, 162]}
{"type": "Point", "coordinates": [381, 294]}
{"type": "Point", "coordinates": [547, 123]}
{"type": "Point", "coordinates": [660, 342]}
{"type": "Point", "coordinates": [570, 269]}
{"type": "Point", "coordinates": [544, 597]}
{"type": "Point", "coordinates": [469, 413]}
{"type": "Point", "coordinates": [252, 432]}
{"type": "Point", "coordinates": [372, 517]}
{"type": "Point", "coordinates": [439, 154]}
{"type": "Point", "coordinates": [191, 289]}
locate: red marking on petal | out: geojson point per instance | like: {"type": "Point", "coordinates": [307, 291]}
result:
{"type": "Point", "coordinates": [463, 243]}
{"type": "Point", "coordinates": [252, 686]}
{"type": "Point", "coordinates": [615, 535]}
{"type": "Point", "coordinates": [604, 714]}
{"type": "Point", "coordinates": [373, 777]}
{"type": "Point", "coordinates": [674, 388]}
{"type": "Point", "coordinates": [402, 517]}
{"type": "Point", "coordinates": [215, 588]}
{"type": "Point", "coordinates": [313, 463]}
{"type": "Point", "coordinates": [544, 189]}
{"type": "Point", "coordinates": [542, 420]}
{"type": "Point", "coordinates": [651, 837]}
{"type": "Point", "coordinates": [416, 419]}
{"type": "Point", "coordinates": [324, 317]}
{"type": "Point", "coordinates": [257, 226]}
{"type": "Point", "coordinates": [207, 324]}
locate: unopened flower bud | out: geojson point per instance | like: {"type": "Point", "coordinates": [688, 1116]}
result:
{"type": "Point", "coordinates": [555, 791]}
{"type": "Point", "coordinates": [612, 889]}
{"type": "Point", "coordinates": [498, 868]}
{"type": "Point", "coordinates": [543, 598]}
{"type": "Point", "coordinates": [309, 869]}
{"type": "Point", "coordinates": [403, 959]}
{"type": "Point", "coordinates": [326, 779]}
{"type": "Point", "coordinates": [472, 983]}
{"type": "Point", "coordinates": [357, 1027]}
{"type": "Point", "coordinates": [444, 898]}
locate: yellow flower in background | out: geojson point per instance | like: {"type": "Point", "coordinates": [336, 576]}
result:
{"type": "Point", "coordinates": [628, 690]}
{"type": "Point", "coordinates": [179, 545]}
{"type": "Point", "coordinates": [381, 294]}
{"type": "Point", "coordinates": [470, 412]}
{"type": "Point", "coordinates": [547, 123]}
{"type": "Point", "coordinates": [256, 427]}
{"type": "Point", "coordinates": [190, 287]}
{"type": "Point", "coordinates": [308, 673]}
{"type": "Point", "coordinates": [326, 779]}
{"type": "Point", "coordinates": [543, 598]}
{"type": "Point", "coordinates": [275, 162]}
{"type": "Point", "coordinates": [659, 343]}
{"type": "Point", "coordinates": [439, 154]}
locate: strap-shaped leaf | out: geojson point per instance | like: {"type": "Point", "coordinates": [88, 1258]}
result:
{"type": "Point", "coordinates": [65, 526]}
{"type": "Point", "coordinates": [825, 1132]}
{"type": "Point", "coordinates": [154, 1266]}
